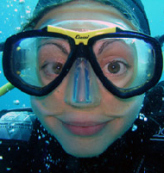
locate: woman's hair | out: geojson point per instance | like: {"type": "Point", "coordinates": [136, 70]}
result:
{"type": "Point", "coordinates": [133, 10]}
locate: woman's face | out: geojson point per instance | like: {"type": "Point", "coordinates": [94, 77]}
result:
{"type": "Point", "coordinates": [85, 130]}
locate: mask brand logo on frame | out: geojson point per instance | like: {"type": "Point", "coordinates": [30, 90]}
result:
{"type": "Point", "coordinates": [81, 37]}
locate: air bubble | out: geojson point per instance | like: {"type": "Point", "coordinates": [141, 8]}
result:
{"type": "Point", "coordinates": [47, 142]}
{"type": "Point", "coordinates": [18, 28]}
{"type": "Point", "coordinates": [11, 131]}
{"type": "Point", "coordinates": [16, 102]}
{"type": "Point", "coordinates": [141, 116]}
{"type": "Point", "coordinates": [28, 11]}
{"type": "Point", "coordinates": [145, 118]}
{"type": "Point", "coordinates": [43, 135]}
{"type": "Point", "coordinates": [134, 128]}
{"type": "Point", "coordinates": [21, 1]}
{"type": "Point", "coordinates": [47, 165]}
{"type": "Point", "coordinates": [23, 105]}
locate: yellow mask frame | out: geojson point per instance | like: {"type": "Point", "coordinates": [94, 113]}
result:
{"type": "Point", "coordinates": [81, 37]}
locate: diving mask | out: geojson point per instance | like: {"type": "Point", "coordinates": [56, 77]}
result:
{"type": "Point", "coordinates": [127, 63]}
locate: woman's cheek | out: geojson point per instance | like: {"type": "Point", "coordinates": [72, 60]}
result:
{"type": "Point", "coordinates": [53, 103]}
{"type": "Point", "coordinates": [112, 105]}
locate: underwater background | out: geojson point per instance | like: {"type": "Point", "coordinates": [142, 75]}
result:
{"type": "Point", "coordinates": [14, 13]}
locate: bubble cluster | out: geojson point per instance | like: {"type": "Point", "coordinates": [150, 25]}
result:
{"type": "Point", "coordinates": [17, 10]}
{"type": "Point", "coordinates": [142, 117]}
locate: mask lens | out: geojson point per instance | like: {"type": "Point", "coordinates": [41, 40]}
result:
{"type": "Point", "coordinates": [38, 61]}
{"type": "Point", "coordinates": [126, 62]}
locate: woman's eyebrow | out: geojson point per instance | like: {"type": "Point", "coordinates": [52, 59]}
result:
{"type": "Point", "coordinates": [105, 44]}
{"type": "Point", "coordinates": [61, 47]}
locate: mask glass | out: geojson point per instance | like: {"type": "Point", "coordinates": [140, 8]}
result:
{"type": "Point", "coordinates": [127, 63]}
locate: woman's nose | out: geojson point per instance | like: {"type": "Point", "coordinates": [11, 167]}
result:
{"type": "Point", "coordinates": [82, 89]}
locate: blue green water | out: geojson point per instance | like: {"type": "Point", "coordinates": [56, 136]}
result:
{"type": "Point", "coordinates": [14, 13]}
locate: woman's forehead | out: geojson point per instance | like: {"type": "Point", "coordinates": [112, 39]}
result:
{"type": "Point", "coordinates": [76, 12]}
{"type": "Point", "coordinates": [85, 25]}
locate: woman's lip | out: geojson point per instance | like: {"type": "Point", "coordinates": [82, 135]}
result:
{"type": "Point", "coordinates": [84, 128]}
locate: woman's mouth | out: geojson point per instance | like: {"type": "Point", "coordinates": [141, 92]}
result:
{"type": "Point", "coordinates": [84, 128]}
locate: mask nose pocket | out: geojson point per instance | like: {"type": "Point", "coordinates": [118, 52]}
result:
{"type": "Point", "coordinates": [82, 89]}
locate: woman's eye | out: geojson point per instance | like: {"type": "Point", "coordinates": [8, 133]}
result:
{"type": "Point", "coordinates": [116, 67]}
{"type": "Point", "coordinates": [52, 68]}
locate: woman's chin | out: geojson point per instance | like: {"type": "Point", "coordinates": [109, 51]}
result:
{"type": "Point", "coordinates": [84, 153]}
{"type": "Point", "coordinates": [85, 148]}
